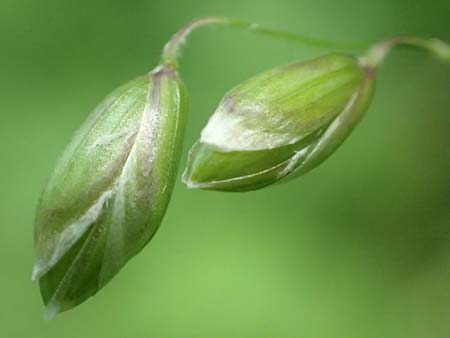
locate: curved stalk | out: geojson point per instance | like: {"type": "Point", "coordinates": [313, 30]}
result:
{"type": "Point", "coordinates": [172, 48]}
{"type": "Point", "coordinates": [377, 53]}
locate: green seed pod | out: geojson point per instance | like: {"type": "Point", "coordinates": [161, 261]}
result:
{"type": "Point", "coordinates": [110, 189]}
{"type": "Point", "coordinates": [281, 123]}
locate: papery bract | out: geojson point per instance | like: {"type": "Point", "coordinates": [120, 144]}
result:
{"type": "Point", "coordinates": [110, 189]}
{"type": "Point", "coordinates": [286, 120]}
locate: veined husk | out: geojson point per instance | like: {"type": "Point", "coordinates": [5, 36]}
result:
{"type": "Point", "coordinates": [110, 189]}
{"type": "Point", "coordinates": [280, 124]}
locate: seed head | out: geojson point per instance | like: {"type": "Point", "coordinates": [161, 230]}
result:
{"type": "Point", "coordinates": [110, 189]}
{"type": "Point", "coordinates": [284, 121]}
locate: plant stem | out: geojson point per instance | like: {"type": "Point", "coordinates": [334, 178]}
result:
{"type": "Point", "coordinates": [377, 53]}
{"type": "Point", "coordinates": [172, 48]}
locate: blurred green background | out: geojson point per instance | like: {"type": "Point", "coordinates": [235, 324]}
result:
{"type": "Point", "coordinates": [360, 247]}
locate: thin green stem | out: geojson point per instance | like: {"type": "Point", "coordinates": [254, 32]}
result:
{"type": "Point", "coordinates": [172, 48]}
{"type": "Point", "coordinates": [377, 53]}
